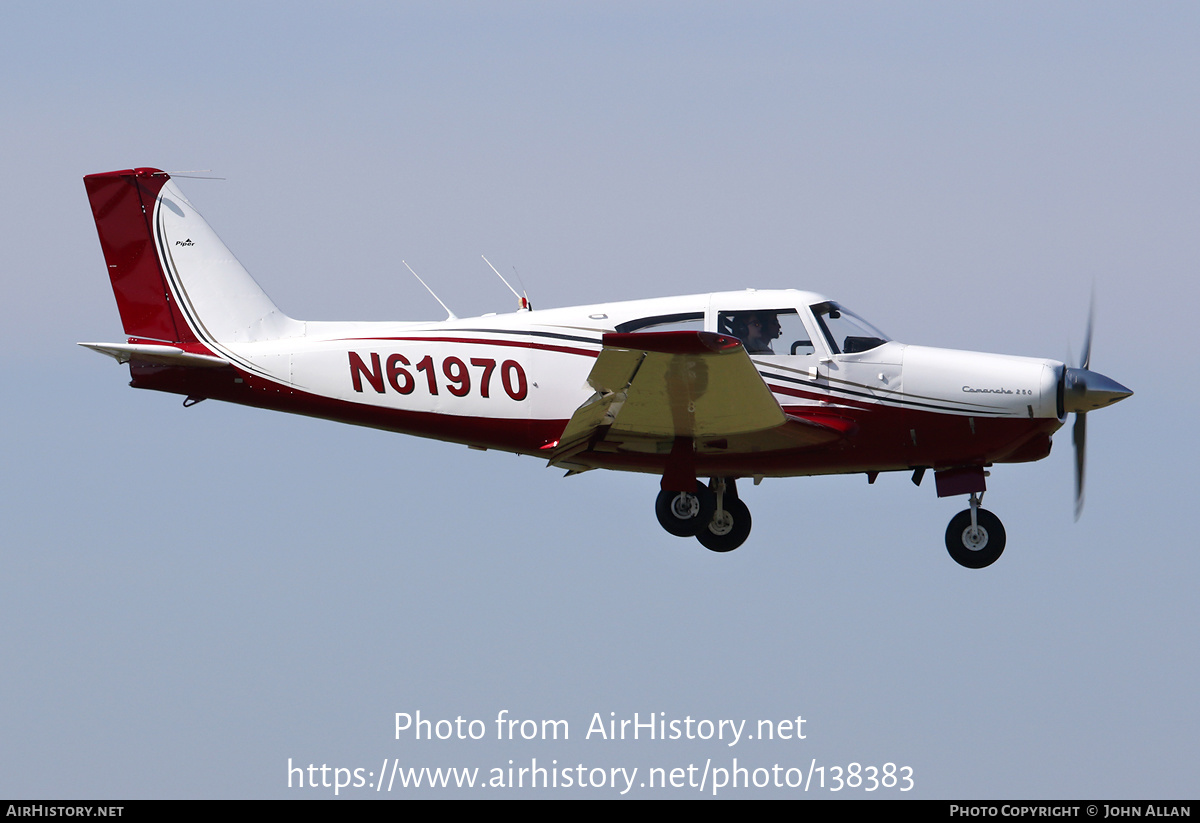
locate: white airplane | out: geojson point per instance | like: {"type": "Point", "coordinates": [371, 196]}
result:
{"type": "Point", "coordinates": [725, 386]}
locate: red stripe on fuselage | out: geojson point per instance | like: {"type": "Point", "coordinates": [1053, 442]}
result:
{"type": "Point", "coordinates": [519, 344]}
{"type": "Point", "coordinates": [819, 396]}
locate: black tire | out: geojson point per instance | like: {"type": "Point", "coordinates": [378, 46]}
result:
{"type": "Point", "coordinates": [683, 514]}
{"type": "Point", "coordinates": [981, 551]}
{"type": "Point", "coordinates": [728, 529]}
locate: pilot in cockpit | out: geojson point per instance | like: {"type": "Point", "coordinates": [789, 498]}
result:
{"type": "Point", "coordinates": [756, 329]}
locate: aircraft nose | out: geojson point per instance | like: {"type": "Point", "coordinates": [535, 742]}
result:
{"type": "Point", "coordinates": [1087, 391]}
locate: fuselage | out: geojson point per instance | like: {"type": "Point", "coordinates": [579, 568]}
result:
{"type": "Point", "coordinates": [512, 381]}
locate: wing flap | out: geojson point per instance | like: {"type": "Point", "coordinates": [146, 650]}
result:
{"type": "Point", "coordinates": [654, 387]}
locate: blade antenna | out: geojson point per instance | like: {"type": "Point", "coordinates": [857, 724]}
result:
{"type": "Point", "coordinates": [523, 291]}
{"type": "Point", "coordinates": [522, 302]}
{"type": "Point", "coordinates": [449, 314]}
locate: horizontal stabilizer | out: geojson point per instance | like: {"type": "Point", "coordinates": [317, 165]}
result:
{"type": "Point", "coordinates": [160, 355]}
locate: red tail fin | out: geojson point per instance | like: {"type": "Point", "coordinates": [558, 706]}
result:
{"type": "Point", "coordinates": [123, 204]}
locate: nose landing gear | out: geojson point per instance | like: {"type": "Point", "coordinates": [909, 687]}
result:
{"type": "Point", "coordinates": [975, 537]}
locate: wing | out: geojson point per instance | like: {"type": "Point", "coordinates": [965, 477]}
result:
{"type": "Point", "coordinates": [655, 387]}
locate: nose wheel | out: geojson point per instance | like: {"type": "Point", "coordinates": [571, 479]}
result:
{"type": "Point", "coordinates": [975, 537]}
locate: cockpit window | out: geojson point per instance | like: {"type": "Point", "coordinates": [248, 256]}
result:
{"type": "Point", "coordinates": [845, 331]}
{"type": "Point", "coordinates": [767, 331]}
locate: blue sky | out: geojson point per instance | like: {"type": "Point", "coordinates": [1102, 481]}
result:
{"type": "Point", "coordinates": [192, 597]}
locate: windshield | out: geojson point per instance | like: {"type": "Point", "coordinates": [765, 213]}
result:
{"type": "Point", "coordinates": [845, 331]}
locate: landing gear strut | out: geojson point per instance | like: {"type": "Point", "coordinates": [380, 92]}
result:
{"type": "Point", "coordinates": [975, 537]}
{"type": "Point", "coordinates": [730, 524]}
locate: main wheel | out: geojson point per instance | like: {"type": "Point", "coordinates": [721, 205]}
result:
{"type": "Point", "coordinates": [979, 547]}
{"type": "Point", "coordinates": [727, 529]}
{"type": "Point", "coordinates": [684, 514]}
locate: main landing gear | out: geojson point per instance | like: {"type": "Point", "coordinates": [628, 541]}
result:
{"type": "Point", "coordinates": [712, 514]}
{"type": "Point", "coordinates": [975, 537]}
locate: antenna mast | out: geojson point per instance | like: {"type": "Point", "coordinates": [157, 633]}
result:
{"type": "Point", "coordinates": [449, 314]}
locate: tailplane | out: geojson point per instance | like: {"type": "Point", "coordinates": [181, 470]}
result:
{"type": "Point", "coordinates": [174, 280]}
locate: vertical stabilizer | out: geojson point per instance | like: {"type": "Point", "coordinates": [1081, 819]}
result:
{"type": "Point", "coordinates": [173, 278]}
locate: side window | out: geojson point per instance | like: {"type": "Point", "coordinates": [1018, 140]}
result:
{"type": "Point", "coordinates": [689, 321]}
{"type": "Point", "coordinates": [767, 331]}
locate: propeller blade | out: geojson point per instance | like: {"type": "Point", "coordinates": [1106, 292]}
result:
{"type": "Point", "coordinates": [1087, 339]}
{"type": "Point", "coordinates": [1079, 435]}
{"type": "Point", "coordinates": [1083, 391]}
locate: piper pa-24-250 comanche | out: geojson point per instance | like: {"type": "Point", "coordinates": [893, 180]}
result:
{"type": "Point", "coordinates": [726, 386]}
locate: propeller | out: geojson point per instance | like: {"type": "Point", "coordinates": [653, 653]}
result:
{"type": "Point", "coordinates": [1084, 391]}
